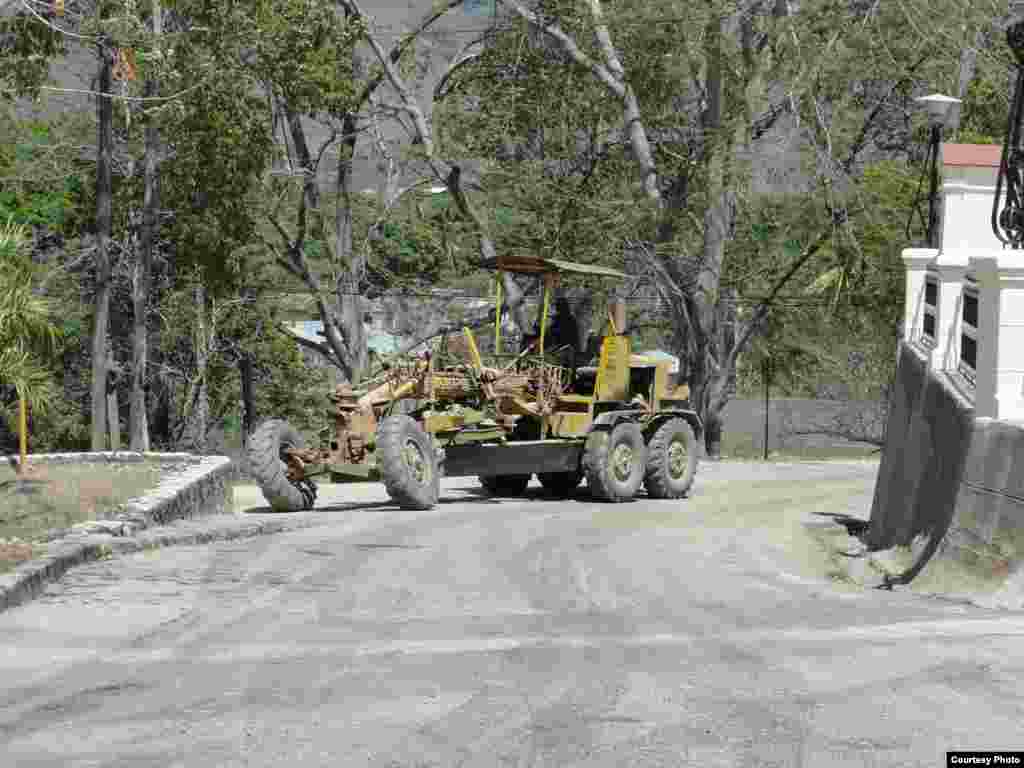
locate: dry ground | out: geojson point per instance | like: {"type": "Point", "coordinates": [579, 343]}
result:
{"type": "Point", "coordinates": [58, 496]}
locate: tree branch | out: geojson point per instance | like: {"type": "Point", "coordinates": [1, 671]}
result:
{"type": "Point", "coordinates": [614, 80]}
{"type": "Point", "coordinates": [569, 45]}
{"type": "Point", "coordinates": [761, 312]}
{"type": "Point", "coordinates": [450, 175]}
{"type": "Point", "coordinates": [399, 48]}
{"type": "Point", "coordinates": [862, 137]}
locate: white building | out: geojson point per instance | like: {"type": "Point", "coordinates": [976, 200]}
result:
{"type": "Point", "coordinates": [965, 299]}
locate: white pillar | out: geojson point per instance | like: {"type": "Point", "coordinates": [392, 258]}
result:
{"type": "Point", "coordinates": [1009, 374]}
{"type": "Point", "coordinates": [949, 269]}
{"type": "Point", "coordinates": [985, 269]}
{"type": "Point", "coordinates": [916, 261]}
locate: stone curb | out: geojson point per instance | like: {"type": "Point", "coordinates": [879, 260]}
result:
{"type": "Point", "coordinates": [30, 580]}
{"type": "Point", "coordinates": [200, 490]}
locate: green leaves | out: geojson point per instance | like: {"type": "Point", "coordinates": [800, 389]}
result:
{"type": "Point", "coordinates": [27, 334]}
{"type": "Point", "coordinates": [26, 47]}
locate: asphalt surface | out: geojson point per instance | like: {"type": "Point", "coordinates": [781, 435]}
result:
{"type": "Point", "coordinates": [510, 633]}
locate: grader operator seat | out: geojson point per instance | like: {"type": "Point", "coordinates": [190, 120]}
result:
{"type": "Point", "coordinates": [562, 336]}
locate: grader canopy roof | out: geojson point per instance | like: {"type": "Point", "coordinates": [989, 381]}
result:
{"type": "Point", "coordinates": [536, 265]}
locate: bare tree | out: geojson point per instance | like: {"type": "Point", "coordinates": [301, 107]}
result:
{"type": "Point", "coordinates": [103, 229]}
{"type": "Point", "coordinates": [344, 340]}
{"type": "Point", "coordinates": [138, 420]}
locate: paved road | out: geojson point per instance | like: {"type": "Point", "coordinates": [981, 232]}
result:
{"type": "Point", "coordinates": [510, 633]}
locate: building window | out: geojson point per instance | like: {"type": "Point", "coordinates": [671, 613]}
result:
{"type": "Point", "coordinates": [931, 311]}
{"type": "Point", "coordinates": [969, 334]}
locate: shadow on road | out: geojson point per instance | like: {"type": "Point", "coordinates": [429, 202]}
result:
{"type": "Point", "coordinates": [451, 496]}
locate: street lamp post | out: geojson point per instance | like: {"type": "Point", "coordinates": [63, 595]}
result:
{"type": "Point", "coordinates": [937, 107]}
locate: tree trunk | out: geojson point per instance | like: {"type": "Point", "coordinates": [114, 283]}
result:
{"type": "Point", "coordinates": [968, 66]}
{"type": "Point", "coordinates": [139, 424]}
{"type": "Point", "coordinates": [245, 374]}
{"type": "Point", "coordinates": [113, 419]}
{"type": "Point", "coordinates": [351, 265]}
{"type": "Point", "coordinates": [704, 369]}
{"type": "Point", "coordinates": [103, 270]}
{"type": "Point", "coordinates": [197, 401]}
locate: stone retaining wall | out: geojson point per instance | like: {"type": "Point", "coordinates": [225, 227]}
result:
{"type": "Point", "coordinates": [199, 488]}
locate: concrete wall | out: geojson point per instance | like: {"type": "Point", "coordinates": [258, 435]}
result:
{"type": "Point", "coordinates": [927, 442]}
{"type": "Point", "coordinates": [944, 475]}
{"type": "Point", "coordinates": [990, 502]}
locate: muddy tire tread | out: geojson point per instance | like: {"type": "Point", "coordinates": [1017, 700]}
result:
{"type": "Point", "coordinates": [267, 468]}
{"type": "Point", "coordinates": [597, 462]}
{"type": "Point", "coordinates": [400, 485]}
{"type": "Point", "coordinates": [657, 480]}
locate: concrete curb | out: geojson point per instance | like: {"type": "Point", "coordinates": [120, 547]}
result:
{"type": "Point", "coordinates": [200, 490]}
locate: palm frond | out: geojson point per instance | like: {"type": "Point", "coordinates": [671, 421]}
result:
{"type": "Point", "coordinates": [30, 380]}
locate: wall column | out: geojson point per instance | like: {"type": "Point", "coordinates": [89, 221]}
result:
{"type": "Point", "coordinates": [1009, 373]}
{"type": "Point", "coordinates": [949, 269]}
{"type": "Point", "coordinates": [916, 261]}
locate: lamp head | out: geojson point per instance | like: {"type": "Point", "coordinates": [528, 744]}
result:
{"type": "Point", "coordinates": [938, 107]}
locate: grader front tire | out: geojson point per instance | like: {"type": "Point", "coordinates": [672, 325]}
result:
{"type": "Point", "coordinates": [408, 462]}
{"type": "Point", "coordinates": [267, 466]}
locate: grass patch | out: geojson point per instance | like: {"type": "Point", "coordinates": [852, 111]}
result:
{"type": "Point", "coordinates": [61, 495]}
{"type": "Point", "coordinates": [762, 517]}
{"type": "Point", "coordinates": [978, 569]}
{"type": "Point", "coordinates": [738, 446]}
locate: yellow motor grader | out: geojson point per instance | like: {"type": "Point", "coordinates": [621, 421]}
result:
{"type": "Point", "coordinates": [618, 424]}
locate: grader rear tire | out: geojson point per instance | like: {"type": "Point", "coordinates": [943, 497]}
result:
{"type": "Point", "coordinates": [613, 461]}
{"type": "Point", "coordinates": [671, 460]}
{"type": "Point", "coordinates": [267, 467]}
{"type": "Point", "coordinates": [409, 463]}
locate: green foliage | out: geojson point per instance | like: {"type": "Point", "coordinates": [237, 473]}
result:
{"type": "Point", "coordinates": [285, 386]}
{"type": "Point", "coordinates": [42, 183]}
{"type": "Point", "coordinates": [298, 47]}
{"type": "Point", "coordinates": [986, 107]}
{"type": "Point", "coordinates": [223, 142]}
{"type": "Point", "coordinates": [842, 321]}
{"type": "Point", "coordinates": [27, 46]}
{"type": "Point", "coordinates": [27, 334]}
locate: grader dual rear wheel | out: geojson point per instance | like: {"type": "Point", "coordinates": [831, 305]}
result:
{"type": "Point", "coordinates": [613, 461]}
{"type": "Point", "coordinates": [671, 460]}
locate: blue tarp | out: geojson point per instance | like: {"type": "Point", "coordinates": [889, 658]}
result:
{"type": "Point", "coordinates": [478, 7]}
{"type": "Point", "coordinates": [382, 343]}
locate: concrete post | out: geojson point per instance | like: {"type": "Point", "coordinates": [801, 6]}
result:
{"type": "Point", "coordinates": [985, 269]}
{"type": "Point", "coordinates": [916, 261]}
{"type": "Point", "coordinates": [949, 268]}
{"type": "Point", "coordinates": [1009, 373]}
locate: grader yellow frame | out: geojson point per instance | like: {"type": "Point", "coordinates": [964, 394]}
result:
{"type": "Point", "coordinates": [617, 424]}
